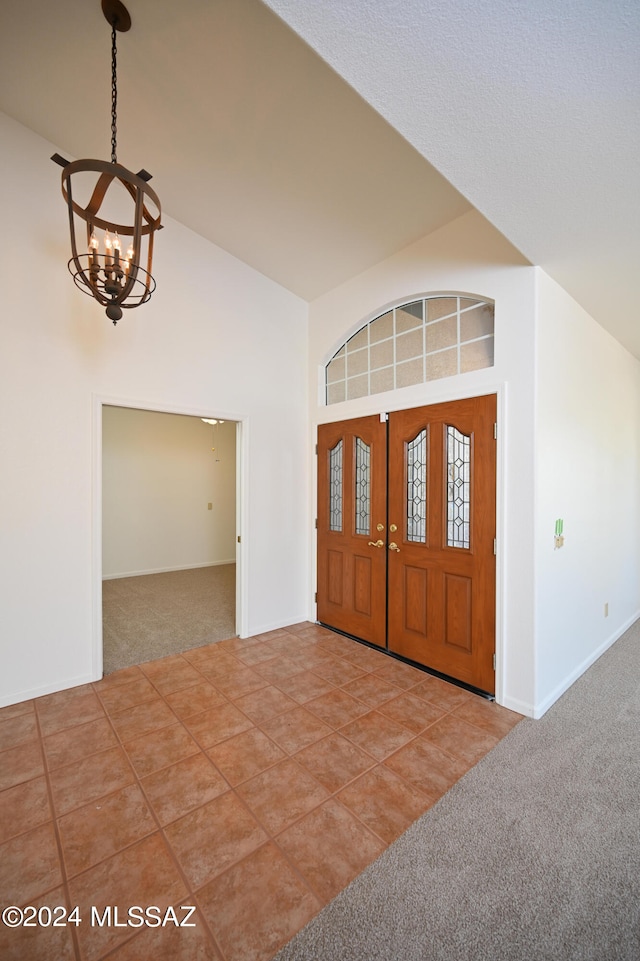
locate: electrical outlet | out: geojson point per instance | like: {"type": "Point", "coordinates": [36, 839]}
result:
{"type": "Point", "coordinates": [210, 506]}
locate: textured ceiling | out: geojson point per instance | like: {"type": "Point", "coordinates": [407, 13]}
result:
{"type": "Point", "coordinates": [531, 110]}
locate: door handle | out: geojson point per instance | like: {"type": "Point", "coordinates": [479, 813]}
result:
{"type": "Point", "coordinates": [376, 543]}
{"type": "Point", "coordinates": [394, 547]}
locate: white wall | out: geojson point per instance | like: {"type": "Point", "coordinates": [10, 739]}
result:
{"type": "Point", "coordinates": [468, 256]}
{"type": "Point", "coordinates": [216, 339]}
{"type": "Point", "coordinates": [588, 474]}
{"type": "Point", "coordinates": [159, 475]}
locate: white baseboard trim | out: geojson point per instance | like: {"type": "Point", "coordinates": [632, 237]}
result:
{"type": "Point", "coordinates": [8, 699]}
{"type": "Point", "coordinates": [275, 626]}
{"type": "Point", "coordinates": [564, 686]}
{"type": "Point", "coordinates": [167, 570]}
{"type": "Point", "coordinates": [520, 707]}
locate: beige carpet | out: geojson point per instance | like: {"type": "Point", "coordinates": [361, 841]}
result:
{"type": "Point", "coordinates": [147, 617]}
{"type": "Point", "coordinates": [534, 855]}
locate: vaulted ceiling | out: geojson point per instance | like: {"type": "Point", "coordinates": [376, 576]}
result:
{"type": "Point", "coordinates": [313, 138]}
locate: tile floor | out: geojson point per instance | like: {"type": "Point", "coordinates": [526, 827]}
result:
{"type": "Point", "coordinates": [253, 779]}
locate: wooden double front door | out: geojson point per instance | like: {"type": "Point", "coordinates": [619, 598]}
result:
{"type": "Point", "coordinates": [406, 528]}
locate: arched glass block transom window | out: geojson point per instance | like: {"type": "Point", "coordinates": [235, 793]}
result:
{"type": "Point", "coordinates": [413, 343]}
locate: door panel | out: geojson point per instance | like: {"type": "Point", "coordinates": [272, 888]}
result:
{"type": "Point", "coordinates": [416, 593]}
{"type": "Point", "coordinates": [362, 583]}
{"type": "Point", "coordinates": [442, 501]}
{"type": "Point", "coordinates": [335, 577]}
{"type": "Point", "coordinates": [426, 588]}
{"type": "Point", "coordinates": [352, 481]}
{"type": "Point", "coordinates": [457, 608]}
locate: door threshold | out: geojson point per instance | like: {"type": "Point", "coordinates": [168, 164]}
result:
{"type": "Point", "coordinates": [405, 660]}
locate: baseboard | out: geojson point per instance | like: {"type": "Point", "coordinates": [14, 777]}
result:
{"type": "Point", "coordinates": [276, 626]}
{"type": "Point", "coordinates": [167, 570]}
{"type": "Point", "coordinates": [520, 707]}
{"type": "Point", "coordinates": [8, 699]}
{"type": "Point", "coordinates": [556, 694]}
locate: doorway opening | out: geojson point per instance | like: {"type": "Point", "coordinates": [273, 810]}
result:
{"type": "Point", "coordinates": [407, 535]}
{"type": "Point", "coordinates": [169, 533]}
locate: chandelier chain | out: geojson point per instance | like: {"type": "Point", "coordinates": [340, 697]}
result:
{"type": "Point", "coordinates": [114, 97]}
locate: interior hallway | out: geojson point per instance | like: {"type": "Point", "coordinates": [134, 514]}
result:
{"type": "Point", "coordinates": [251, 778]}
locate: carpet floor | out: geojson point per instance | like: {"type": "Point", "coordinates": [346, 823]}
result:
{"type": "Point", "coordinates": [534, 855]}
{"type": "Point", "coordinates": [148, 617]}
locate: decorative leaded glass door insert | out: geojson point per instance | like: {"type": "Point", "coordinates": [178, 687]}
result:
{"type": "Point", "coordinates": [362, 491]}
{"type": "Point", "coordinates": [458, 487]}
{"type": "Point", "coordinates": [417, 488]}
{"type": "Point", "coordinates": [335, 487]}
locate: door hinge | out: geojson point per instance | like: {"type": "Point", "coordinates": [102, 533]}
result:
{"type": "Point", "coordinates": [316, 449]}
{"type": "Point", "coordinates": [494, 662]}
{"type": "Point", "coordinates": [316, 523]}
{"type": "Point", "coordinates": [495, 431]}
{"type": "Point", "coordinates": [495, 546]}
{"type": "Point", "coordinates": [315, 597]}
{"type": "Point", "coordinates": [239, 539]}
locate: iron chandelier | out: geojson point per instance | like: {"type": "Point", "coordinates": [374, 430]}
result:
{"type": "Point", "coordinates": [113, 273]}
